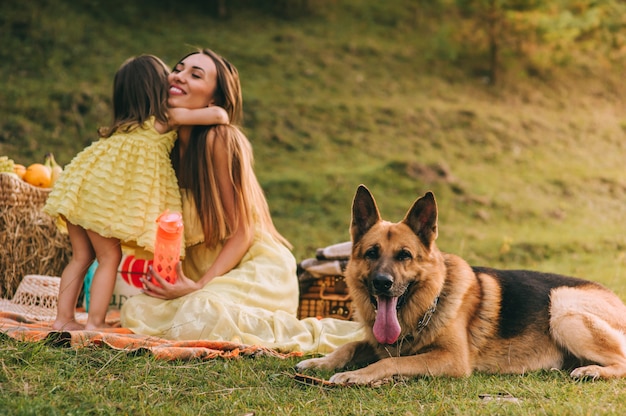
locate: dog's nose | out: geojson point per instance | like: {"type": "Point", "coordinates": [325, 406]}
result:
{"type": "Point", "coordinates": [382, 282]}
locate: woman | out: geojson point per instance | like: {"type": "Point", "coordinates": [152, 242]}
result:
{"type": "Point", "coordinates": [238, 279]}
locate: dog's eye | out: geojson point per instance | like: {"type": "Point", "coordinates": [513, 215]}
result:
{"type": "Point", "coordinates": [404, 255]}
{"type": "Point", "coordinates": [371, 254]}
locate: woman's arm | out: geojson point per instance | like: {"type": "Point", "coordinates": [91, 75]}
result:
{"type": "Point", "coordinates": [232, 250]}
{"type": "Point", "coordinates": [240, 241]}
{"type": "Point", "coordinates": [205, 116]}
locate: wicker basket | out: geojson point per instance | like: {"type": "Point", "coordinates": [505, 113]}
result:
{"type": "Point", "coordinates": [325, 297]}
{"type": "Point", "coordinates": [15, 193]}
{"type": "Point", "coordinates": [30, 242]}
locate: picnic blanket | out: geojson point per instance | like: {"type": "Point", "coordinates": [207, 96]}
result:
{"type": "Point", "coordinates": [21, 328]}
{"type": "Point", "coordinates": [28, 317]}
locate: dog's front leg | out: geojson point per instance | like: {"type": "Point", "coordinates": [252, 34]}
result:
{"type": "Point", "coordinates": [353, 353]}
{"type": "Point", "coordinates": [432, 363]}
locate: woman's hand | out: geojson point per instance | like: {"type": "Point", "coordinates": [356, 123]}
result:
{"type": "Point", "coordinates": [166, 290]}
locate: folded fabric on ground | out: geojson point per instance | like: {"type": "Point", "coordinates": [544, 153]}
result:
{"type": "Point", "coordinates": [21, 328]}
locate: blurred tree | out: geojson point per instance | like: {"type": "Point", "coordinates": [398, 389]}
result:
{"type": "Point", "coordinates": [492, 17]}
{"type": "Point", "coordinates": [562, 28]}
{"type": "Point", "coordinates": [544, 32]}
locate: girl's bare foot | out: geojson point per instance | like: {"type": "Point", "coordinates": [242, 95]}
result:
{"type": "Point", "coordinates": [71, 325]}
{"type": "Point", "coordinates": [92, 327]}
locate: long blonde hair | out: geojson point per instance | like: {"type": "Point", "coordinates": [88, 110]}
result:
{"type": "Point", "coordinates": [196, 168]}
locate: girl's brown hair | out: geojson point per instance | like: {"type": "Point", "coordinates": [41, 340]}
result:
{"type": "Point", "coordinates": [196, 168]}
{"type": "Point", "coordinates": [139, 92]}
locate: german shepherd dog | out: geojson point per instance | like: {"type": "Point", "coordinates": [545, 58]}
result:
{"type": "Point", "coordinates": [429, 313]}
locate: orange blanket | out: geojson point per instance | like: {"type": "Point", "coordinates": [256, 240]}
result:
{"type": "Point", "coordinates": [20, 328]}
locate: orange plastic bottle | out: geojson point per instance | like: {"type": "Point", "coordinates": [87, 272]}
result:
{"type": "Point", "coordinates": [169, 238]}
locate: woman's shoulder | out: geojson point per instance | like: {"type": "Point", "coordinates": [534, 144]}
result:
{"type": "Point", "coordinates": [225, 133]}
{"type": "Point", "coordinates": [227, 130]}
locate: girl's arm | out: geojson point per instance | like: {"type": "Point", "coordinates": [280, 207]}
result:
{"type": "Point", "coordinates": [204, 116]}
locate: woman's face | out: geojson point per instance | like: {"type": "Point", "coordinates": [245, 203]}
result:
{"type": "Point", "coordinates": [193, 82]}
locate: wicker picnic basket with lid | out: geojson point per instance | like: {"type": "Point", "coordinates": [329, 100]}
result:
{"type": "Point", "coordinates": [323, 288]}
{"type": "Point", "coordinates": [30, 242]}
{"type": "Point", "coordinates": [325, 297]}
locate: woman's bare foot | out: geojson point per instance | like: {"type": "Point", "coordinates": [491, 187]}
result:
{"type": "Point", "coordinates": [64, 325]}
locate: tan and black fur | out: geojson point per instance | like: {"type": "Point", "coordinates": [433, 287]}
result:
{"type": "Point", "coordinates": [452, 319]}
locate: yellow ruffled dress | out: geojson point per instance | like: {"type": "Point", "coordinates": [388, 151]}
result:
{"type": "Point", "coordinates": [119, 185]}
{"type": "Point", "coordinates": [253, 304]}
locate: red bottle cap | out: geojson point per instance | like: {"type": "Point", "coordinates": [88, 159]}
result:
{"type": "Point", "coordinates": [170, 222]}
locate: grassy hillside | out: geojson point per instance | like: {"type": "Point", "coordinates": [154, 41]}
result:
{"type": "Point", "coordinates": [528, 173]}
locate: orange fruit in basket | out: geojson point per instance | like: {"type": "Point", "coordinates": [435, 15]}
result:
{"type": "Point", "coordinates": [19, 170]}
{"type": "Point", "coordinates": [38, 175]}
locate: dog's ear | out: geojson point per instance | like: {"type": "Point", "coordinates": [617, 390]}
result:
{"type": "Point", "coordinates": [422, 218]}
{"type": "Point", "coordinates": [364, 213]}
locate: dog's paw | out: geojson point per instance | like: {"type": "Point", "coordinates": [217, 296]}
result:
{"type": "Point", "coordinates": [591, 372]}
{"type": "Point", "coordinates": [319, 363]}
{"type": "Point", "coordinates": [353, 377]}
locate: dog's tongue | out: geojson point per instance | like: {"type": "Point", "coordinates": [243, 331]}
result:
{"type": "Point", "coordinates": [386, 328]}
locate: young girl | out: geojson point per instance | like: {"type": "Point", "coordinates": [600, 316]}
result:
{"type": "Point", "coordinates": [113, 191]}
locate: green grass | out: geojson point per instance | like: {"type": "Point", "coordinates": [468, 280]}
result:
{"type": "Point", "coordinates": [527, 174]}
{"type": "Point", "coordinates": [37, 379]}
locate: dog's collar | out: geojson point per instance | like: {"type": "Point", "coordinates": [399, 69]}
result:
{"type": "Point", "coordinates": [427, 315]}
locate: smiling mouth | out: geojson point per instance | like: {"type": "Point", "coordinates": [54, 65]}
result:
{"type": "Point", "coordinates": [176, 91]}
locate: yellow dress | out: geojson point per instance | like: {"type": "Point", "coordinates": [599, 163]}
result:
{"type": "Point", "coordinates": [119, 185]}
{"type": "Point", "coordinates": [254, 304]}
